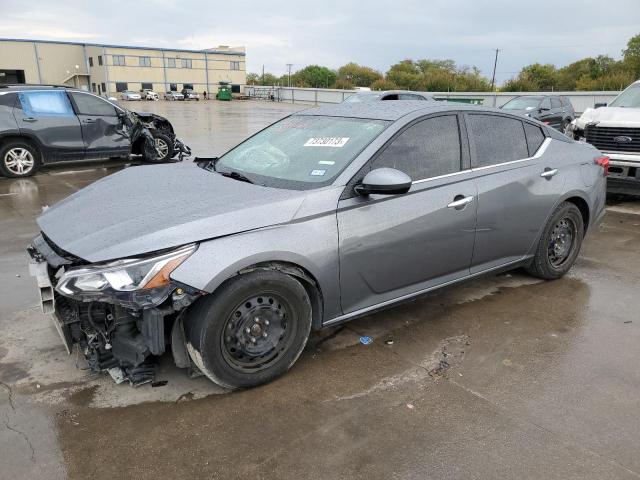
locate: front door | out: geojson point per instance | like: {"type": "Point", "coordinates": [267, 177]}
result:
{"type": "Point", "coordinates": [518, 187]}
{"type": "Point", "coordinates": [101, 126]}
{"type": "Point", "coordinates": [397, 245]}
{"type": "Point", "coordinates": [47, 116]}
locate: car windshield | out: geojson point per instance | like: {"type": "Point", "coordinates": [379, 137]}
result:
{"type": "Point", "coordinates": [522, 103]}
{"type": "Point", "coordinates": [363, 97]}
{"type": "Point", "coordinates": [301, 152]}
{"type": "Point", "coordinates": [630, 98]}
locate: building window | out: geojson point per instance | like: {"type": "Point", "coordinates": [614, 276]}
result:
{"type": "Point", "coordinates": [93, 87]}
{"type": "Point", "coordinates": [186, 63]}
{"type": "Point", "coordinates": [171, 62]}
{"type": "Point", "coordinates": [119, 60]}
{"type": "Point", "coordinates": [91, 61]}
{"type": "Point", "coordinates": [99, 59]}
{"type": "Point", "coordinates": [145, 61]}
{"type": "Point", "coordinates": [235, 65]}
{"type": "Point", "coordinates": [147, 86]}
{"type": "Point", "coordinates": [104, 87]}
{"type": "Point", "coordinates": [173, 87]}
{"type": "Point", "coordinates": [121, 86]}
{"type": "Point", "coordinates": [187, 86]}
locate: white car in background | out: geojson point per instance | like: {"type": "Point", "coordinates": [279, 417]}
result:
{"type": "Point", "coordinates": [128, 95]}
{"type": "Point", "coordinates": [150, 95]}
{"type": "Point", "coordinates": [190, 94]}
{"type": "Point", "coordinates": [173, 96]}
{"type": "Point", "coordinates": [614, 129]}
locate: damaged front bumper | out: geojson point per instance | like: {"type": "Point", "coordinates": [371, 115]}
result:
{"type": "Point", "coordinates": [123, 336]}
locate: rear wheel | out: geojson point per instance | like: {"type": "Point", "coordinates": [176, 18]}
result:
{"type": "Point", "coordinates": [251, 331]}
{"type": "Point", "coordinates": [19, 158]}
{"type": "Point", "coordinates": [560, 243]}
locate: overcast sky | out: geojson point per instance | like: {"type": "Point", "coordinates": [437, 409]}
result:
{"type": "Point", "coordinates": [328, 32]}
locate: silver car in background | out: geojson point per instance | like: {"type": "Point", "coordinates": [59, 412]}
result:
{"type": "Point", "coordinates": [130, 96]}
{"type": "Point", "coordinates": [173, 96]}
{"type": "Point", "coordinates": [327, 215]}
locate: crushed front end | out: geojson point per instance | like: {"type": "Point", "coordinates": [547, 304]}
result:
{"type": "Point", "coordinates": [120, 315]}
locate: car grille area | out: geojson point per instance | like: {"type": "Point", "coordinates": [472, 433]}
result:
{"type": "Point", "coordinates": [613, 138]}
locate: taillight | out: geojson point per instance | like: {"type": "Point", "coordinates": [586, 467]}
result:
{"type": "Point", "coordinates": [604, 163]}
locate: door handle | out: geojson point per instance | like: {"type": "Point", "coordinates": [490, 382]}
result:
{"type": "Point", "coordinates": [460, 201]}
{"type": "Point", "coordinates": [88, 120]}
{"type": "Point", "coordinates": [29, 119]}
{"type": "Point", "coordinates": [549, 172]}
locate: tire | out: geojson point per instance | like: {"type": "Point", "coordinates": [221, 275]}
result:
{"type": "Point", "coordinates": [250, 331]}
{"type": "Point", "coordinates": [164, 147]}
{"type": "Point", "coordinates": [565, 124]}
{"type": "Point", "coordinates": [19, 159]}
{"type": "Point", "coordinates": [555, 253]}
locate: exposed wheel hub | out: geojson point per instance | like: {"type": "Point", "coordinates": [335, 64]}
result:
{"type": "Point", "coordinates": [256, 332]}
{"type": "Point", "coordinates": [561, 241]}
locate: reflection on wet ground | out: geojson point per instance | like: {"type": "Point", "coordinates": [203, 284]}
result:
{"type": "Point", "coordinates": [504, 376]}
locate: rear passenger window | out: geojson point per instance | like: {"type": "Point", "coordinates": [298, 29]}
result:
{"type": "Point", "coordinates": [497, 139]}
{"type": "Point", "coordinates": [535, 137]}
{"type": "Point", "coordinates": [427, 149]}
{"type": "Point", "coordinates": [48, 103]}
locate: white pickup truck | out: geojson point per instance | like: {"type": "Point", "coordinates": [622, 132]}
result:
{"type": "Point", "coordinates": [615, 130]}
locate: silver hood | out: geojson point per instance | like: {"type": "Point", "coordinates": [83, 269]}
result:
{"type": "Point", "coordinates": [144, 209]}
{"type": "Point", "coordinates": [610, 117]}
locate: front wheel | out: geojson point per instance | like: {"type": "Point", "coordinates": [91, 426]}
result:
{"type": "Point", "coordinates": [250, 331]}
{"type": "Point", "coordinates": [163, 146]}
{"type": "Point", "coordinates": [19, 158]}
{"type": "Point", "coordinates": [559, 244]}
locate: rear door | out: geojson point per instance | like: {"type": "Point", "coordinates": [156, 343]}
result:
{"type": "Point", "coordinates": [47, 116]}
{"type": "Point", "coordinates": [395, 245]}
{"type": "Point", "coordinates": [101, 126]}
{"type": "Point", "coordinates": [518, 187]}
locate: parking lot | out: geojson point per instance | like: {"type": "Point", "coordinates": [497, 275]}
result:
{"type": "Point", "coordinates": [502, 377]}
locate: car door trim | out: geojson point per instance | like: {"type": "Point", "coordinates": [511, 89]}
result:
{"type": "Point", "coordinates": [386, 303]}
{"type": "Point", "coordinates": [543, 147]}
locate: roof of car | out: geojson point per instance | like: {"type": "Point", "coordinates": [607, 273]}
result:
{"type": "Point", "coordinates": [389, 110]}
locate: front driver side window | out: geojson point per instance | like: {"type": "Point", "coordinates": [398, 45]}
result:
{"type": "Point", "coordinates": [90, 105]}
{"type": "Point", "coordinates": [429, 148]}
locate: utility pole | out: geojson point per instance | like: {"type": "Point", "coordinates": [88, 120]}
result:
{"type": "Point", "coordinates": [289, 65]}
{"type": "Point", "coordinates": [495, 64]}
{"type": "Point", "coordinates": [262, 74]}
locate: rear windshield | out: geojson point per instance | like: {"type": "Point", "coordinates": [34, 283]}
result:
{"type": "Point", "coordinates": [301, 152]}
{"type": "Point", "coordinates": [522, 103]}
{"type": "Point", "coordinates": [363, 97]}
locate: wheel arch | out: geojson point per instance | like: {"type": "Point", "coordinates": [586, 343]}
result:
{"type": "Point", "coordinates": [583, 206]}
{"type": "Point", "coordinates": [32, 140]}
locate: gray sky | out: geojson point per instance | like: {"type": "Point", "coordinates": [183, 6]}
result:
{"type": "Point", "coordinates": [331, 33]}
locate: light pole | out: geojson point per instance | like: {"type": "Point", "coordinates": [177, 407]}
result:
{"type": "Point", "coordinates": [495, 63]}
{"type": "Point", "coordinates": [289, 65]}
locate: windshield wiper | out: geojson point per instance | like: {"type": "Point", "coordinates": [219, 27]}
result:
{"type": "Point", "coordinates": [236, 176]}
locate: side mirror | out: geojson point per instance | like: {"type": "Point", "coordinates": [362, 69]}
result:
{"type": "Point", "coordinates": [384, 181]}
{"type": "Point", "coordinates": [602, 104]}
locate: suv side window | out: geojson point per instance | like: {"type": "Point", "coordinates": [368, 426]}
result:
{"type": "Point", "coordinates": [496, 139]}
{"type": "Point", "coordinates": [45, 103]}
{"type": "Point", "coordinates": [426, 149]}
{"type": "Point", "coordinates": [556, 103]}
{"type": "Point", "coordinates": [535, 137]}
{"type": "Point", "coordinates": [90, 105]}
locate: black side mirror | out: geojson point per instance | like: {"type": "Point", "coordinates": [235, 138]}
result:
{"type": "Point", "coordinates": [384, 181]}
{"type": "Point", "coordinates": [602, 104]}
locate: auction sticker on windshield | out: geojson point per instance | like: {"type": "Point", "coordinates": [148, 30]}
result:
{"type": "Point", "coordinates": [337, 142]}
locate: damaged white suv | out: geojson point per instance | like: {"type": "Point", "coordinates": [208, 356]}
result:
{"type": "Point", "coordinates": [615, 130]}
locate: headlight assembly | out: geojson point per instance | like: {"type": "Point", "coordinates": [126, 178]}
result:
{"type": "Point", "coordinates": [134, 283]}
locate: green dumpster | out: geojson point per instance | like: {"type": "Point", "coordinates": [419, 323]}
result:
{"type": "Point", "coordinates": [224, 92]}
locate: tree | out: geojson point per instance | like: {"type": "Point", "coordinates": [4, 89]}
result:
{"type": "Point", "coordinates": [436, 76]}
{"type": "Point", "coordinates": [383, 84]}
{"type": "Point", "coordinates": [358, 75]}
{"type": "Point", "coordinates": [314, 76]}
{"type": "Point", "coordinates": [631, 56]}
{"type": "Point", "coordinates": [259, 79]}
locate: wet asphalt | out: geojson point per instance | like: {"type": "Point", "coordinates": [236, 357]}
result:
{"type": "Point", "coordinates": [502, 377]}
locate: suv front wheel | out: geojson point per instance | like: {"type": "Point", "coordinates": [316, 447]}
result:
{"type": "Point", "coordinates": [19, 158]}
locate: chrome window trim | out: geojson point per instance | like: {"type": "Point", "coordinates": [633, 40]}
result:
{"type": "Point", "coordinates": [538, 154]}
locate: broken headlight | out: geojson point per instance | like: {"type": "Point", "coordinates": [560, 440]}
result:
{"type": "Point", "coordinates": [134, 283]}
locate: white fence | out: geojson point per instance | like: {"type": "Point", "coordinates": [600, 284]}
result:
{"type": "Point", "coordinates": [320, 96]}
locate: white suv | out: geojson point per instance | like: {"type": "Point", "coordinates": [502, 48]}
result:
{"type": "Point", "coordinates": [615, 130]}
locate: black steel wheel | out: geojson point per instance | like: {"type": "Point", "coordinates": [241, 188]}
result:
{"type": "Point", "coordinates": [559, 244]}
{"type": "Point", "coordinates": [251, 330]}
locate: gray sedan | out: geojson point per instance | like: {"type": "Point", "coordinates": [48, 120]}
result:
{"type": "Point", "coordinates": [325, 216]}
{"type": "Point", "coordinates": [375, 96]}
